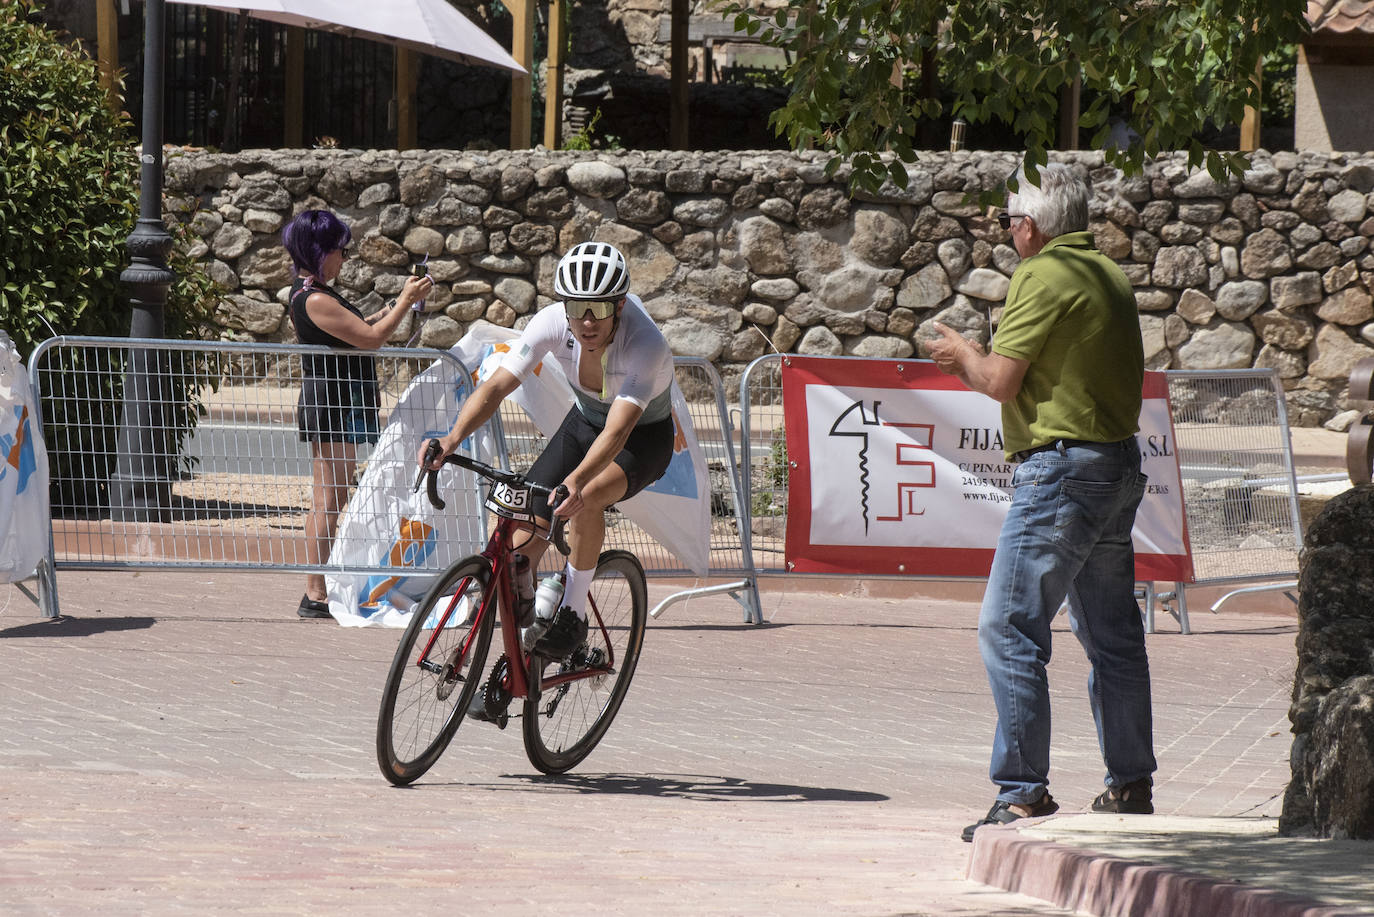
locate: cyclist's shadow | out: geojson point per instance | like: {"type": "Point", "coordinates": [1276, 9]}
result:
{"type": "Point", "coordinates": [702, 787]}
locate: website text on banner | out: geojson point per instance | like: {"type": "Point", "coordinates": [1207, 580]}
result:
{"type": "Point", "coordinates": [896, 468]}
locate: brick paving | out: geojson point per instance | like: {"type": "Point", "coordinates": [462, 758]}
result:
{"type": "Point", "coordinates": [182, 743]}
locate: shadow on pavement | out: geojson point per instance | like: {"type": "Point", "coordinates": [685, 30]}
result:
{"type": "Point", "coordinates": [704, 787]}
{"type": "Point", "coordinates": [1239, 631]}
{"type": "Point", "coordinates": [65, 626]}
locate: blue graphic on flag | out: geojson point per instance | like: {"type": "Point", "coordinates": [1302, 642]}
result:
{"type": "Point", "coordinates": [680, 480]}
{"type": "Point", "coordinates": [416, 543]}
{"type": "Point", "coordinates": [18, 449]}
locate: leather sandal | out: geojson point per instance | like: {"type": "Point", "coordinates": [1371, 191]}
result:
{"type": "Point", "coordinates": [1134, 798]}
{"type": "Point", "coordinates": [1001, 813]}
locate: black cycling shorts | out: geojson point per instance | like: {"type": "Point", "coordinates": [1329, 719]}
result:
{"type": "Point", "coordinates": [644, 459]}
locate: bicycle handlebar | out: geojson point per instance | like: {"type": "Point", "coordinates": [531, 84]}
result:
{"type": "Point", "coordinates": [513, 478]}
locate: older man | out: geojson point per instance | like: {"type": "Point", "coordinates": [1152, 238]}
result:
{"type": "Point", "coordinates": [1066, 365]}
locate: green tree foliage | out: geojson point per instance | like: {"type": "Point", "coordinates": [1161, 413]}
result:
{"type": "Point", "coordinates": [68, 195]}
{"type": "Point", "coordinates": [68, 201]}
{"type": "Point", "coordinates": [67, 192]}
{"type": "Point", "coordinates": [1171, 68]}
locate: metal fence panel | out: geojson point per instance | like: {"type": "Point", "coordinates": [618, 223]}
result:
{"type": "Point", "coordinates": [236, 482]}
{"type": "Point", "coordinates": [1236, 464]}
{"type": "Point", "coordinates": [227, 482]}
{"type": "Point", "coordinates": [1240, 494]}
{"type": "Point", "coordinates": [763, 462]}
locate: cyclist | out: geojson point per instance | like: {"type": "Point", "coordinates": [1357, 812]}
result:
{"type": "Point", "coordinates": [618, 436]}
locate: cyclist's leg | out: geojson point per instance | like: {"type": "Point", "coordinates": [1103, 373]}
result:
{"type": "Point", "coordinates": [643, 460]}
{"type": "Point", "coordinates": [564, 720]}
{"type": "Point", "coordinates": [561, 454]}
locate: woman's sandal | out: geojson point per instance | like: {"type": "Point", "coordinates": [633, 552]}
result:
{"type": "Point", "coordinates": [1001, 813]}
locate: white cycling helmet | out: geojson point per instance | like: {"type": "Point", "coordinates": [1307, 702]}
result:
{"type": "Point", "coordinates": [592, 270]}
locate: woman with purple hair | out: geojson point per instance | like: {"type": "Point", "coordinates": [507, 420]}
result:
{"type": "Point", "coordinates": [338, 403]}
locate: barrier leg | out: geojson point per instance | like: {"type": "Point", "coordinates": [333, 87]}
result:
{"type": "Point", "coordinates": [1146, 593]}
{"type": "Point", "coordinates": [749, 599]}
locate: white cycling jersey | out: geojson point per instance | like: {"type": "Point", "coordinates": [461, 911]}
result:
{"type": "Point", "coordinates": [638, 363]}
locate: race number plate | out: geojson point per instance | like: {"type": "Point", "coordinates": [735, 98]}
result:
{"type": "Point", "coordinates": [510, 502]}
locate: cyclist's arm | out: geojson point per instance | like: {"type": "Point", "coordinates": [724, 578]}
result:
{"type": "Point", "coordinates": [477, 410]}
{"type": "Point", "coordinates": [620, 422]}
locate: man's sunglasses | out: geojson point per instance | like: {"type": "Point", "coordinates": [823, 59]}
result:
{"type": "Point", "coordinates": [1004, 219]}
{"type": "Point", "coordinates": [599, 308]}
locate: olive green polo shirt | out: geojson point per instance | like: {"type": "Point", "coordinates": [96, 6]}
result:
{"type": "Point", "coordinates": [1071, 314]}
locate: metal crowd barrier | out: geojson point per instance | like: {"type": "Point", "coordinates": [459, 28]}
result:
{"type": "Point", "coordinates": [227, 483]}
{"type": "Point", "coordinates": [1236, 465]}
{"type": "Point", "coordinates": [1240, 490]}
{"type": "Point", "coordinates": [223, 485]}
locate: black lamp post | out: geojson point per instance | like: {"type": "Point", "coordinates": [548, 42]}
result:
{"type": "Point", "coordinates": [140, 487]}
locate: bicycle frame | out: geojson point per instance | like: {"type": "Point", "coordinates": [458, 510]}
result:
{"type": "Point", "coordinates": [498, 554]}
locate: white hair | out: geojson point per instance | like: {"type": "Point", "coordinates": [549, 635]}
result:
{"type": "Point", "coordinates": [1058, 205]}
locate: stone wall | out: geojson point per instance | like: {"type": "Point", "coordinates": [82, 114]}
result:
{"type": "Point", "coordinates": [1332, 790]}
{"type": "Point", "coordinates": [737, 254]}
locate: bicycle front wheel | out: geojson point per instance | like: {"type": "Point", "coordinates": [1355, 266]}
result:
{"type": "Point", "coordinates": [565, 713]}
{"type": "Point", "coordinates": [436, 671]}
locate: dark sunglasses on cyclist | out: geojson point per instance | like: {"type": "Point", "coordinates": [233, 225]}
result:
{"type": "Point", "coordinates": [1004, 219]}
{"type": "Point", "coordinates": [599, 308]}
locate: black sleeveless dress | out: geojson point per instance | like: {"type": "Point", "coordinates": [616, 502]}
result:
{"type": "Point", "coordinates": [338, 401]}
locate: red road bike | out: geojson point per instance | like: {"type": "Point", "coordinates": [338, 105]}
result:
{"type": "Point", "coordinates": [568, 704]}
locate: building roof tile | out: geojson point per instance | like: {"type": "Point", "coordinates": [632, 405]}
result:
{"type": "Point", "coordinates": [1341, 17]}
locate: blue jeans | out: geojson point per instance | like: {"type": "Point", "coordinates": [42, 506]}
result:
{"type": "Point", "coordinates": [1067, 534]}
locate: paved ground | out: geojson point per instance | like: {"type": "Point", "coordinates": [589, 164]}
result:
{"type": "Point", "coordinates": [182, 743]}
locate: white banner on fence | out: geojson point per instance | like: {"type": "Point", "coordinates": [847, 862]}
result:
{"type": "Point", "coordinates": [896, 468]}
{"type": "Point", "coordinates": [25, 517]}
{"type": "Point", "coordinates": [386, 524]}
{"type": "Point", "coordinates": [675, 510]}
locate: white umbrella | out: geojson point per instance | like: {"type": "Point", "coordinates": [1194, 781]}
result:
{"type": "Point", "coordinates": [427, 26]}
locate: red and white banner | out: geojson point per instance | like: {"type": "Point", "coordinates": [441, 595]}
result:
{"type": "Point", "coordinates": [897, 468]}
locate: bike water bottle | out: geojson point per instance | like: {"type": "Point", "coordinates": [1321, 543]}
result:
{"type": "Point", "coordinates": [546, 602]}
{"type": "Point", "coordinates": [523, 584]}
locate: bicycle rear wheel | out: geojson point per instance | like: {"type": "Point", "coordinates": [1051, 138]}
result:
{"type": "Point", "coordinates": [562, 722]}
{"type": "Point", "coordinates": [437, 669]}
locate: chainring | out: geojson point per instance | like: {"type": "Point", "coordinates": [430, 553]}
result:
{"type": "Point", "coordinates": [496, 693]}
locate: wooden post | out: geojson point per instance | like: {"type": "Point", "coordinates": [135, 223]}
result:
{"type": "Point", "coordinates": [407, 122]}
{"type": "Point", "coordinates": [293, 134]}
{"type": "Point", "coordinates": [1250, 122]}
{"type": "Point", "coordinates": [553, 80]}
{"type": "Point", "coordinates": [231, 92]}
{"type": "Point", "coordinates": [812, 8]}
{"type": "Point", "coordinates": [1070, 101]}
{"type": "Point", "coordinates": [679, 98]}
{"type": "Point", "coordinates": [522, 49]}
{"type": "Point", "coordinates": [928, 129]}
{"type": "Point", "coordinates": [107, 48]}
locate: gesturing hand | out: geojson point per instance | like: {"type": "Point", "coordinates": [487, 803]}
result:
{"type": "Point", "coordinates": [950, 349]}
